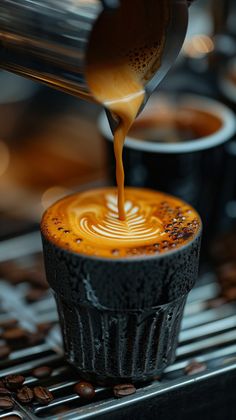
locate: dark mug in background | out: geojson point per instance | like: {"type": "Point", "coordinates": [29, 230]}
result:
{"type": "Point", "coordinates": [192, 166]}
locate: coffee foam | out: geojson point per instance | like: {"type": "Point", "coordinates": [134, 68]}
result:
{"type": "Point", "coordinates": [88, 223]}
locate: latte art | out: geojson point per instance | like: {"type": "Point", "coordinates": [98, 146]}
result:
{"type": "Point", "coordinates": [109, 228]}
{"type": "Point", "coordinates": [88, 223]}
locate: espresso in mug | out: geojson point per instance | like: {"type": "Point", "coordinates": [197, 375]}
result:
{"type": "Point", "coordinates": [174, 124]}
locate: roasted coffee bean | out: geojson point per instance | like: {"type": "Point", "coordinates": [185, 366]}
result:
{"type": "Point", "coordinates": [14, 382]}
{"type": "Point", "coordinates": [4, 352]}
{"type": "Point", "coordinates": [85, 390]}
{"type": "Point", "coordinates": [2, 384]}
{"type": "Point", "coordinates": [123, 390]}
{"type": "Point", "coordinates": [37, 278]}
{"type": "Point", "coordinates": [11, 418]}
{"type": "Point", "coordinates": [229, 294]}
{"type": "Point", "coordinates": [194, 367]}
{"type": "Point", "coordinates": [34, 295]}
{"type": "Point", "coordinates": [4, 391]}
{"type": "Point", "coordinates": [8, 323]}
{"type": "Point", "coordinates": [6, 402]}
{"type": "Point", "coordinates": [35, 338]}
{"type": "Point", "coordinates": [44, 327]}
{"type": "Point", "coordinates": [15, 335]}
{"type": "Point", "coordinates": [25, 395]}
{"type": "Point", "coordinates": [42, 372]}
{"type": "Point", "coordinates": [43, 395]}
{"type": "Point", "coordinates": [227, 273]}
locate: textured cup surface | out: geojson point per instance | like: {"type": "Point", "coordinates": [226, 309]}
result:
{"type": "Point", "coordinates": [120, 319]}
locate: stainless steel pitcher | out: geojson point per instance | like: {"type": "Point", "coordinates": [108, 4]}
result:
{"type": "Point", "coordinates": [47, 40]}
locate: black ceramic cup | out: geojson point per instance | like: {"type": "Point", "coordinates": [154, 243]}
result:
{"type": "Point", "coordinates": [120, 318]}
{"type": "Point", "coordinates": [192, 169]}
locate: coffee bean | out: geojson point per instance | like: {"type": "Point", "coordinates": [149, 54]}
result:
{"type": "Point", "coordinates": [37, 278]}
{"type": "Point", "coordinates": [229, 294]}
{"type": "Point", "coordinates": [14, 335]}
{"type": "Point", "coordinates": [85, 390]}
{"type": "Point", "coordinates": [123, 390]}
{"type": "Point", "coordinates": [8, 323]}
{"type": "Point", "coordinates": [42, 372]}
{"type": "Point", "coordinates": [43, 395]}
{"type": "Point", "coordinates": [4, 352]}
{"type": "Point", "coordinates": [6, 402]}
{"type": "Point", "coordinates": [4, 391]}
{"type": "Point", "coordinates": [194, 367]}
{"type": "Point", "coordinates": [25, 395]}
{"type": "Point", "coordinates": [11, 418]}
{"type": "Point", "coordinates": [44, 327]}
{"type": "Point", "coordinates": [35, 338]}
{"type": "Point", "coordinates": [2, 384]}
{"type": "Point", "coordinates": [34, 295]}
{"type": "Point", "coordinates": [14, 382]}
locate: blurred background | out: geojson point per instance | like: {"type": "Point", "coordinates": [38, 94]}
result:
{"type": "Point", "coordinates": [50, 143]}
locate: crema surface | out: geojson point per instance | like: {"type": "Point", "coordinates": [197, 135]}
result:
{"type": "Point", "coordinates": [88, 223]}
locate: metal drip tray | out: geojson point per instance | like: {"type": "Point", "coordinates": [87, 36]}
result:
{"type": "Point", "coordinates": [208, 335]}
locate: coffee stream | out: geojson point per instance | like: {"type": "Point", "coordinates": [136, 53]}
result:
{"type": "Point", "coordinates": [124, 53]}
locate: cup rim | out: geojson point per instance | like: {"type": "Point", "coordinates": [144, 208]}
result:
{"type": "Point", "coordinates": [225, 132]}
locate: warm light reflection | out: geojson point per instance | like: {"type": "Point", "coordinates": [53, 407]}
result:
{"type": "Point", "coordinates": [53, 194]}
{"type": "Point", "coordinates": [198, 46]}
{"type": "Point", "coordinates": [4, 157]}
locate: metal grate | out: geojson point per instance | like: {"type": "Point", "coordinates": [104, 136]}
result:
{"type": "Point", "coordinates": [208, 335]}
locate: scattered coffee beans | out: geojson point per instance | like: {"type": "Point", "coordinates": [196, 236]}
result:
{"type": "Point", "coordinates": [43, 395]}
{"type": "Point", "coordinates": [6, 402]}
{"type": "Point", "coordinates": [194, 367]}
{"type": "Point", "coordinates": [85, 390]}
{"type": "Point", "coordinates": [123, 390]}
{"type": "Point", "coordinates": [14, 382]}
{"type": "Point", "coordinates": [25, 395]}
{"type": "Point", "coordinates": [42, 372]}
